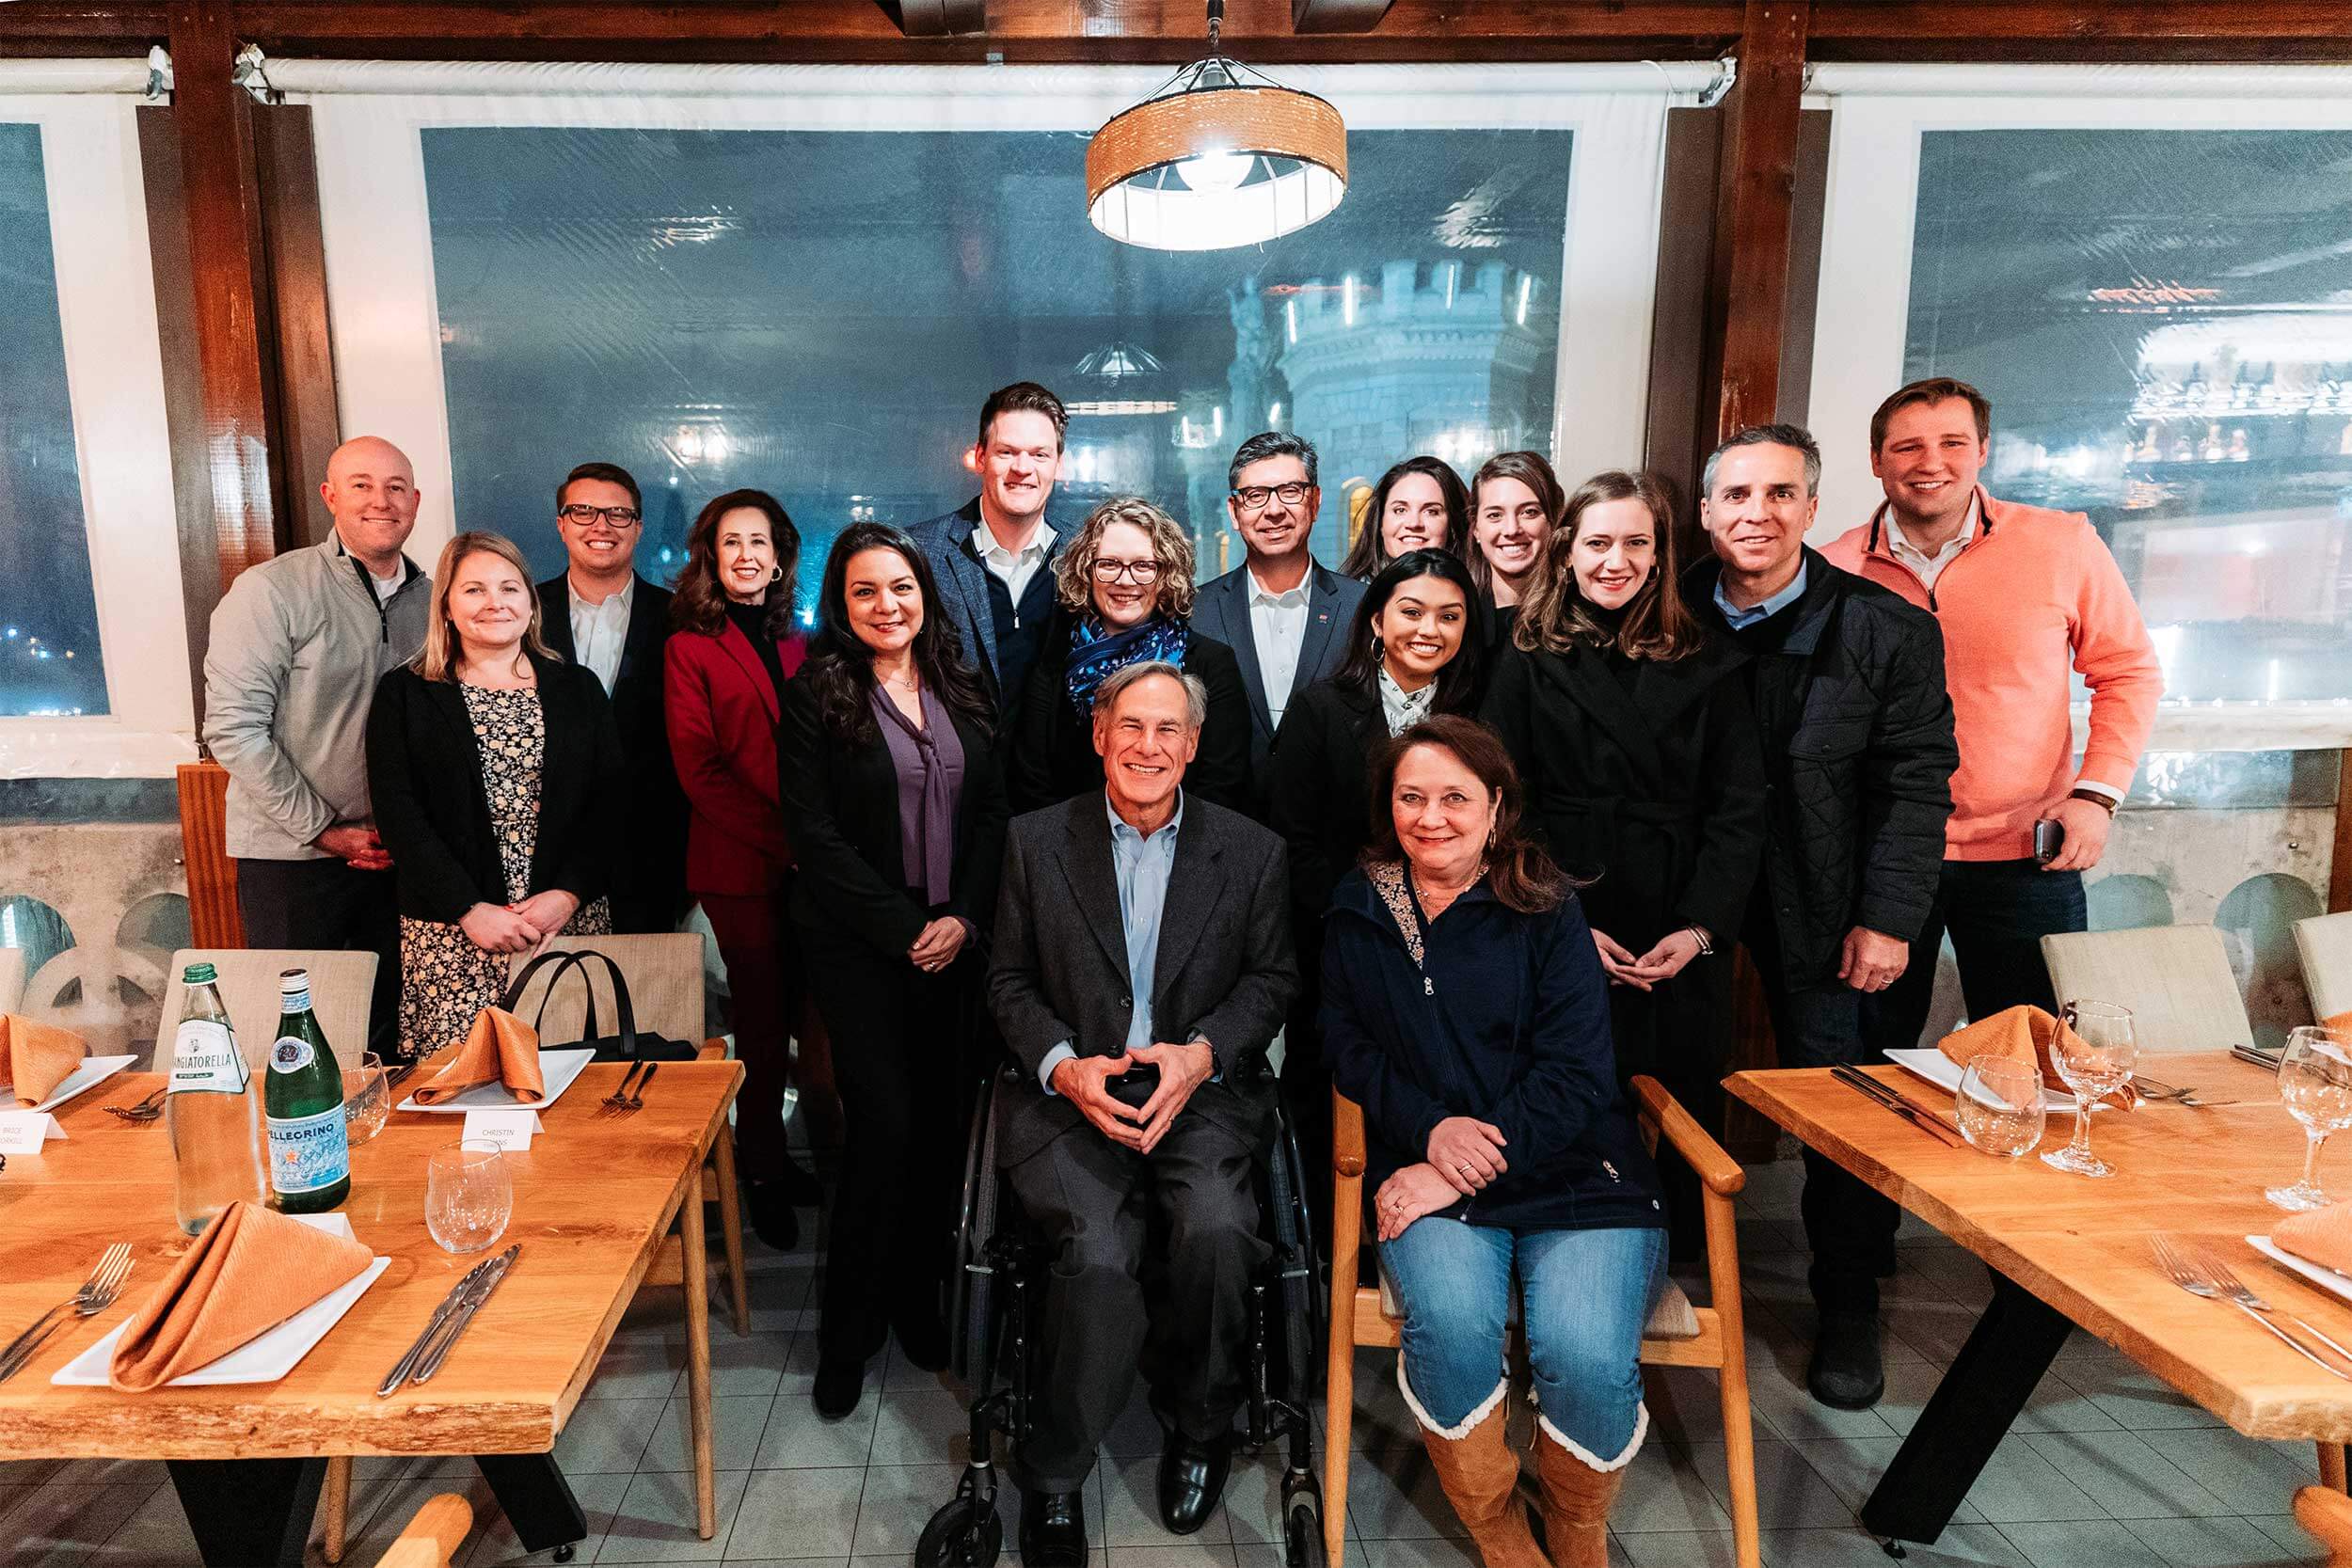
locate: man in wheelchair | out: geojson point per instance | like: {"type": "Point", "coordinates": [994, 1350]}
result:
{"type": "Point", "coordinates": [1142, 966]}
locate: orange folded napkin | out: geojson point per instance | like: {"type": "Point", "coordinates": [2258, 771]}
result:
{"type": "Point", "coordinates": [251, 1269]}
{"type": "Point", "coordinates": [2025, 1034]}
{"type": "Point", "coordinates": [2322, 1236]}
{"type": "Point", "coordinates": [2340, 1024]}
{"type": "Point", "coordinates": [499, 1049]}
{"type": "Point", "coordinates": [35, 1058]}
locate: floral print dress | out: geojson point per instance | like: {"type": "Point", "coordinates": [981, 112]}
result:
{"type": "Point", "coordinates": [445, 979]}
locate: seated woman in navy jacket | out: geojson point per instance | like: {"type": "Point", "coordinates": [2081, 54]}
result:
{"type": "Point", "coordinates": [1464, 1009]}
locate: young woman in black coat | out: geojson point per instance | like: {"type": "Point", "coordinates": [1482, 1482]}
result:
{"type": "Point", "coordinates": [1645, 782]}
{"type": "Point", "coordinates": [1124, 586]}
{"type": "Point", "coordinates": [895, 808]}
{"type": "Point", "coordinates": [1419, 504]}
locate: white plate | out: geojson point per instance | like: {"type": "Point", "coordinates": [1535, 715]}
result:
{"type": "Point", "coordinates": [93, 1071]}
{"type": "Point", "coordinates": [1940, 1070]}
{"type": "Point", "coordinates": [2326, 1278]}
{"type": "Point", "coordinates": [264, 1360]}
{"type": "Point", "coordinates": [557, 1068]}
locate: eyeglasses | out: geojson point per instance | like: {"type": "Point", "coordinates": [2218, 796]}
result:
{"type": "Point", "coordinates": [582, 516]}
{"type": "Point", "coordinates": [1139, 572]}
{"type": "Point", "coordinates": [1254, 496]}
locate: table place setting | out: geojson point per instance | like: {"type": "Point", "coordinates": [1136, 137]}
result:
{"type": "Point", "coordinates": [500, 1066]}
{"type": "Point", "coordinates": [41, 1068]}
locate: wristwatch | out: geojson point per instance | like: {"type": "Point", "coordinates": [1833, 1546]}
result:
{"type": "Point", "coordinates": [2105, 802]}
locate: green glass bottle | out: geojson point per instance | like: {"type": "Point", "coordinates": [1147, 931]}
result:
{"type": "Point", "coordinates": [310, 1153]}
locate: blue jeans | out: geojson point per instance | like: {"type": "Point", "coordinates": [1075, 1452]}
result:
{"type": "Point", "coordinates": [1586, 1297]}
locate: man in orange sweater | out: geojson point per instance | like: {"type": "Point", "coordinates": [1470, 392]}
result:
{"type": "Point", "coordinates": [2025, 595]}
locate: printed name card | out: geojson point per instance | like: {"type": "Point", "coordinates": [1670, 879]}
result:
{"type": "Point", "coordinates": [507, 1129]}
{"type": "Point", "coordinates": [25, 1132]}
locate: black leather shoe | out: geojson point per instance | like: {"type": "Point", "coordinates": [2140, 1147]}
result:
{"type": "Point", "coordinates": [1053, 1529]}
{"type": "Point", "coordinates": [769, 1207]}
{"type": "Point", "coordinates": [1844, 1372]}
{"type": "Point", "coordinates": [1192, 1481]}
{"type": "Point", "coordinates": [840, 1384]}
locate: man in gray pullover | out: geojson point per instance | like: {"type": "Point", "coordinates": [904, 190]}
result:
{"type": "Point", "coordinates": [297, 646]}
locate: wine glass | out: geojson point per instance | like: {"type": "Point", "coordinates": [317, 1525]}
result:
{"type": "Point", "coordinates": [2094, 1053]}
{"type": "Point", "coordinates": [2315, 1081]}
{"type": "Point", "coordinates": [367, 1098]}
{"type": "Point", "coordinates": [2000, 1106]}
{"type": "Point", "coordinates": [469, 1196]}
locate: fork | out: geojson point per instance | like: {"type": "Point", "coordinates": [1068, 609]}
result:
{"type": "Point", "coordinates": [2227, 1282]}
{"type": "Point", "coordinates": [2187, 1276]}
{"type": "Point", "coordinates": [97, 1293]}
{"type": "Point", "coordinates": [2153, 1090]}
{"type": "Point", "coordinates": [617, 1101]}
{"type": "Point", "coordinates": [146, 1110]}
{"type": "Point", "coordinates": [636, 1101]}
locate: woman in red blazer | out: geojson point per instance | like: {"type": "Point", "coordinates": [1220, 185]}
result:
{"type": "Point", "coordinates": [733, 647]}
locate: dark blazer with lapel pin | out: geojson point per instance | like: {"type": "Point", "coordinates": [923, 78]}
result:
{"type": "Point", "coordinates": [649, 887]}
{"type": "Point", "coordinates": [946, 542]}
{"type": "Point", "coordinates": [424, 774]}
{"type": "Point", "coordinates": [722, 712]}
{"type": "Point", "coordinates": [1221, 608]}
{"type": "Point", "coordinates": [1058, 971]}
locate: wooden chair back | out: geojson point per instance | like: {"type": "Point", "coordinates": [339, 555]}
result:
{"type": "Point", "coordinates": [11, 980]}
{"type": "Point", "coordinates": [2176, 980]}
{"type": "Point", "coordinates": [664, 972]}
{"type": "Point", "coordinates": [2328, 1514]}
{"type": "Point", "coordinates": [213, 917]}
{"type": "Point", "coordinates": [2323, 944]}
{"type": "Point", "coordinates": [343, 988]}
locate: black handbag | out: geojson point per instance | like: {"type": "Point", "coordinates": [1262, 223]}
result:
{"type": "Point", "coordinates": [626, 1046]}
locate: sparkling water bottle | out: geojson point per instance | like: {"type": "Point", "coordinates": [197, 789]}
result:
{"type": "Point", "coordinates": [309, 1150]}
{"type": "Point", "coordinates": [213, 1110]}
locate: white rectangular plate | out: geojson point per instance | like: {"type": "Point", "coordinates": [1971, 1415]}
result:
{"type": "Point", "coordinates": [93, 1071]}
{"type": "Point", "coordinates": [2326, 1278]}
{"type": "Point", "coordinates": [1940, 1070]}
{"type": "Point", "coordinates": [556, 1067]}
{"type": "Point", "coordinates": [264, 1360]}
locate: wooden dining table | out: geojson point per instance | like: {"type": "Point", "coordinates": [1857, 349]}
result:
{"type": "Point", "coordinates": [2070, 1251]}
{"type": "Point", "coordinates": [596, 1195]}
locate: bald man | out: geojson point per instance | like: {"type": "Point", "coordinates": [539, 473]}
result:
{"type": "Point", "coordinates": [296, 645]}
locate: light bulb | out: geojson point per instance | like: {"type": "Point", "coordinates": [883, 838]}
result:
{"type": "Point", "coordinates": [1214, 172]}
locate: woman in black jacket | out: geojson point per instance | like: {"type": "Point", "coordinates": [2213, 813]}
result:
{"type": "Point", "coordinates": [1645, 780]}
{"type": "Point", "coordinates": [1465, 1011]}
{"type": "Point", "coordinates": [1124, 585]}
{"type": "Point", "coordinates": [1419, 504]}
{"type": "Point", "coordinates": [496, 774]}
{"type": "Point", "coordinates": [894, 807]}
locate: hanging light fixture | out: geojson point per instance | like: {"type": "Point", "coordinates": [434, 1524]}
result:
{"type": "Point", "coordinates": [1221, 156]}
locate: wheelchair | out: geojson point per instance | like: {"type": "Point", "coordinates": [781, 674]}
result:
{"type": "Point", "coordinates": [998, 1289]}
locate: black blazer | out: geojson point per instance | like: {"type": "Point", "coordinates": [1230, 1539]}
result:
{"type": "Point", "coordinates": [425, 773]}
{"type": "Point", "coordinates": [648, 874]}
{"type": "Point", "coordinates": [1221, 608]}
{"type": "Point", "coordinates": [841, 816]}
{"type": "Point", "coordinates": [1224, 970]}
{"type": "Point", "coordinates": [1320, 800]}
{"type": "Point", "coordinates": [1053, 753]}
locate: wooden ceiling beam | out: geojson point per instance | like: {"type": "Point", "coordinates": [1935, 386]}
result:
{"type": "Point", "coordinates": [2079, 31]}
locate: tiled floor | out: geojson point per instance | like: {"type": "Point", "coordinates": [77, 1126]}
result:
{"type": "Point", "coordinates": [2108, 1469]}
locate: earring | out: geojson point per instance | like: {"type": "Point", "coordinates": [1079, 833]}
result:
{"type": "Point", "coordinates": [776, 575]}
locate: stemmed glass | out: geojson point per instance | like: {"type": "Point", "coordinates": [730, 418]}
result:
{"type": "Point", "coordinates": [1999, 1106]}
{"type": "Point", "coordinates": [2315, 1081]}
{"type": "Point", "coordinates": [2094, 1053]}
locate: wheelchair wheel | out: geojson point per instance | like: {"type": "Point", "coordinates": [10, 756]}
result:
{"type": "Point", "coordinates": [969, 1291]}
{"type": "Point", "coordinates": [960, 1536]}
{"type": "Point", "coordinates": [1302, 1530]}
{"type": "Point", "coordinates": [1303, 1308]}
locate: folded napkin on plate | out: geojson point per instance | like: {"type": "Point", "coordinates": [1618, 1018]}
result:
{"type": "Point", "coordinates": [2340, 1024]}
{"type": "Point", "coordinates": [499, 1049]}
{"type": "Point", "coordinates": [35, 1058]}
{"type": "Point", "coordinates": [2024, 1033]}
{"type": "Point", "coordinates": [251, 1269]}
{"type": "Point", "coordinates": [2322, 1236]}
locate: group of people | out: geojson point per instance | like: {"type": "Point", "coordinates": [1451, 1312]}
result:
{"type": "Point", "coordinates": [1469, 825]}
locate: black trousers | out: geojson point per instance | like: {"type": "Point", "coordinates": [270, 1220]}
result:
{"type": "Point", "coordinates": [1997, 912]}
{"type": "Point", "coordinates": [325, 903]}
{"type": "Point", "coordinates": [1097, 1201]}
{"type": "Point", "coordinates": [900, 1057]}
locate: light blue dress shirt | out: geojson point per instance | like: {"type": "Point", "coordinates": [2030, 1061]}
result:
{"type": "Point", "coordinates": [1740, 620]}
{"type": "Point", "coordinates": [1143, 866]}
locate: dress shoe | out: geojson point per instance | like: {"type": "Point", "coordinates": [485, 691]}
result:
{"type": "Point", "coordinates": [769, 1207]}
{"type": "Point", "coordinates": [1053, 1529]}
{"type": "Point", "coordinates": [922, 1338]}
{"type": "Point", "coordinates": [840, 1384]}
{"type": "Point", "coordinates": [1844, 1372]}
{"type": "Point", "coordinates": [1192, 1480]}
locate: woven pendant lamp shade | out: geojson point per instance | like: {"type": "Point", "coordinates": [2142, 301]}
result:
{"type": "Point", "coordinates": [1216, 161]}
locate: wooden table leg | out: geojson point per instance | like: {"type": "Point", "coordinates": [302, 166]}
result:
{"type": "Point", "coordinates": [696, 1268]}
{"type": "Point", "coordinates": [537, 1501]}
{"type": "Point", "coordinates": [731, 1227]}
{"type": "Point", "coordinates": [249, 1513]}
{"type": "Point", "coordinates": [338, 1507]}
{"type": "Point", "coordinates": [1971, 1410]}
{"type": "Point", "coordinates": [2331, 1466]}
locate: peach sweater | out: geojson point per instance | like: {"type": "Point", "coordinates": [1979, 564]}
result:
{"type": "Point", "coordinates": [2034, 592]}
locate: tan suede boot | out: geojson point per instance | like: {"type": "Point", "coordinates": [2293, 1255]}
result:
{"type": "Point", "coordinates": [1480, 1475]}
{"type": "Point", "coordinates": [1576, 1505]}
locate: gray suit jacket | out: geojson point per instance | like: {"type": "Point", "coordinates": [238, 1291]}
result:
{"type": "Point", "coordinates": [1221, 608]}
{"type": "Point", "coordinates": [1058, 969]}
{"type": "Point", "coordinates": [946, 542]}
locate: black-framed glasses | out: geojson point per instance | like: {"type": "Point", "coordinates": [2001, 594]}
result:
{"type": "Point", "coordinates": [582, 516]}
{"type": "Point", "coordinates": [1254, 496]}
{"type": "Point", "coordinates": [1142, 573]}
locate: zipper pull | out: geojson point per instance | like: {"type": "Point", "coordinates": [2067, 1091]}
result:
{"type": "Point", "coordinates": [1612, 1170]}
{"type": "Point", "coordinates": [1427, 987]}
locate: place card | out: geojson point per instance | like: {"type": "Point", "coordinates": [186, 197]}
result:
{"type": "Point", "coordinates": [25, 1132]}
{"type": "Point", "coordinates": [507, 1129]}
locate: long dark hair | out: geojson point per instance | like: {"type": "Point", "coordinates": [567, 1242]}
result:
{"type": "Point", "coordinates": [1369, 555]}
{"type": "Point", "coordinates": [1531, 469]}
{"type": "Point", "coordinates": [699, 604]}
{"type": "Point", "coordinates": [1522, 874]}
{"type": "Point", "coordinates": [1457, 678]}
{"type": "Point", "coordinates": [1555, 616]}
{"type": "Point", "coordinates": [840, 666]}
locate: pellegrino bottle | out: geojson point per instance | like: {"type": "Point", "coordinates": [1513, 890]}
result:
{"type": "Point", "coordinates": [309, 1154]}
{"type": "Point", "coordinates": [212, 1108]}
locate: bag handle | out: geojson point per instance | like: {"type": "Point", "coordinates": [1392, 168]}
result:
{"type": "Point", "coordinates": [625, 1015]}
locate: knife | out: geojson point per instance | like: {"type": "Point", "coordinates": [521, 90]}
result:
{"type": "Point", "coordinates": [475, 1296]}
{"type": "Point", "coordinates": [1871, 1088]}
{"type": "Point", "coordinates": [399, 1374]}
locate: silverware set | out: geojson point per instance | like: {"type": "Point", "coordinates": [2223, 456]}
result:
{"type": "Point", "coordinates": [1870, 1089]}
{"type": "Point", "coordinates": [2207, 1276]}
{"type": "Point", "coordinates": [2167, 1094]}
{"type": "Point", "coordinates": [623, 1101]}
{"type": "Point", "coordinates": [145, 1111]}
{"type": "Point", "coordinates": [97, 1293]}
{"type": "Point", "coordinates": [424, 1357]}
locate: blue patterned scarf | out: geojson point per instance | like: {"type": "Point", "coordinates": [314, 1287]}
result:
{"type": "Point", "coordinates": [1095, 653]}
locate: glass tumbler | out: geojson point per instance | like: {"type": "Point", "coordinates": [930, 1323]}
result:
{"type": "Point", "coordinates": [367, 1100]}
{"type": "Point", "coordinates": [2000, 1106]}
{"type": "Point", "coordinates": [469, 1196]}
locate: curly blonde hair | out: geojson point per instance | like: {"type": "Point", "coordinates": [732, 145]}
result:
{"type": "Point", "coordinates": [1074, 569]}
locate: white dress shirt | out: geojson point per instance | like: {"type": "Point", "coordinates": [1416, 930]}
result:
{"type": "Point", "coordinates": [1013, 568]}
{"type": "Point", "coordinates": [1278, 625]}
{"type": "Point", "coordinates": [598, 630]}
{"type": "Point", "coordinates": [1930, 567]}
